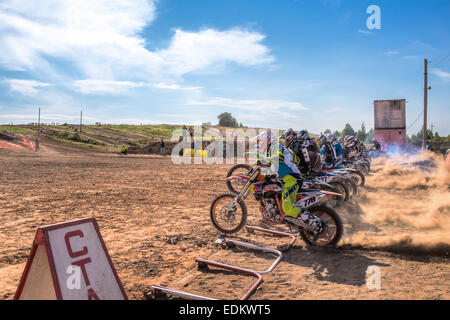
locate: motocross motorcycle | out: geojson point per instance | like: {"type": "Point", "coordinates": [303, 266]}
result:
{"type": "Point", "coordinates": [347, 172]}
{"type": "Point", "coordinates": [228, 211]}
{"type": "Point", "coordinates": [239, 174]}
{"type": "Point", "coordinates": [356, 159]}
{"type": "Point", "coordinates": [344, 185]}
{"type": "Point", "coordinates": [360, 165]}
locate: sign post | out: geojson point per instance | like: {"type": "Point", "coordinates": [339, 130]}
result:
{"type": "Point", "coordinates": [69, 261]}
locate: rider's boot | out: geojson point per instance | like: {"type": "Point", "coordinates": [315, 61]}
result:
{"type": "Point", "coordinates": [306, 219]}
{"type": "Point", "coordinates": [309, 219]}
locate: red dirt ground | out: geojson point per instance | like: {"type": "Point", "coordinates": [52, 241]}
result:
{"type": "Point", "coordinates": [154, 218]}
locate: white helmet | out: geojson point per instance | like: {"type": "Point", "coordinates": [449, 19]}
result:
{"type": "Point", "coordinates": [289, 132]}
{"type": "Point", "coordinates": [303, 134]}
{"type": "Point", "coordinates": [331, 137]}
{"type": "Point", "coordinates": [323, 138]}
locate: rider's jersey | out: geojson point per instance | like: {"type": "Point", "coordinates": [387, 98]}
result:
{"type": "Point", "coordinates": [300, 149]}
{"type": "Point", "coordinates": [288, 162]}
{"type": "Point", "coordinates": [309, 155]}
{"type": "Point", "coordinates": [354, 148]}
{"type": "Point", "coordinates": [333, 153]}
{"type": "Point", "coordinates": [338, 153]}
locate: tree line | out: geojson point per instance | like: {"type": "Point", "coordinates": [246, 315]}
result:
{"type": "Point", "coordinates": [431, 137]}
{"type": "Point", "coordinates": [227, 120]}
{"type": "Point", "coordinates": [362, 133]}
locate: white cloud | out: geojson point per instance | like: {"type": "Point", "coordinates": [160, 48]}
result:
{"type": "Point", "coordinates": [191, 51]}
{"type": "Point", "coordinates": [53, 117]}
{"type": "Point", "coordinates": [441, 74]}
{"type": "Point", "coordinates": [173, 86]}
{"type": "Point", "coordinates": [258, 112]}
{"type": "Point", "coordinates": [410, 57]}
{"type": "Point", "coordinates": [25, 87]}
{"type": "Point", "coordinates": [92, 34]}
{"type": "Point", "coordinates": [366, 32]}
{"type": "Point", "coordinates": [334, 109]}
{"type": "Point", "coordinates": [97, 86]}
{"type": "Point", "coordinates": [422, 45]}
{"type": "Point", "coordinates": [391, 53]}
{"type": "Point", "coordinates": [252, 105]}
{"type": "Point", "coordinates": [103, 39]}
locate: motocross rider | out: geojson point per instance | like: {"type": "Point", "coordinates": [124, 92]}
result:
{"type": "Point", "coordinates": [376, 145]}
{"type": "Point", "coordinates": [306, 149]}
{"type": "Point", "coordinates": [353, 147]}
{"type": "Point", "coordinates": [287, 169]}
{"type": "Point", "coordinates": [331, 150]}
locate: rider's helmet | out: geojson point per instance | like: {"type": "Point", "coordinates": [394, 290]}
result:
{"type": "Point", "coordinates": [376, 144]}
{"type": "Point", "coordinates": [323, 138]}
{"type": "Point", "coordinates": [289, 136]}
{"type": "Point", "coordinates": [288, 133]}
{"type": "Point", "coordinates": [331, 137]}
{"type": "Point", "coordinates": [303, 135]}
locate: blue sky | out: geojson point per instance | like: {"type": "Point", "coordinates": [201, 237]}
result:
{"type": "Point", "coordinates": [271, 63]}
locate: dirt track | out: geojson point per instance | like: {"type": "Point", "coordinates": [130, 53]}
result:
{"type": "Point", "coordinates": [154, 218]}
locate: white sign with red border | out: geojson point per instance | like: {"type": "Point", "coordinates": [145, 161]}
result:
{"type": "Point", "coordinates": [69, 261]}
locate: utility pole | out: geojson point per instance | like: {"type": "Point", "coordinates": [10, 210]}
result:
{"type": "Point", "coordinates": [39, 120]}
{"type": "Point", "coordinates": [81, 119]}
{"type": "Point", "coordinates": [425, 105]}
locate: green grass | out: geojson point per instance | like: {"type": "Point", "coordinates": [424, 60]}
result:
{"type": "Point", "coordinates": [72, 136]}
{"type": "Point", "coordinates": [157, 131]}
{"type": "Point", "coordinates": [16, 129]}
{"type": "Point", "coordinates": [75, 144]}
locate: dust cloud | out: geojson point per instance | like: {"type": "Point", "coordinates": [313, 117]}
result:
{"type": "Point", "coordinates": [404, 207]}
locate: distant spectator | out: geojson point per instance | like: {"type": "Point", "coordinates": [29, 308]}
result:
{"type": "Point", "coordinates": [184, 132]}
{"type": "Point", "coordinates": [124, 150]}
{"type": "Point", "coordinates": [163, 147]}
{"type": "Point", "coordinates": [36, 144]}
{"type": "Point", "coordinates": [191, 133]}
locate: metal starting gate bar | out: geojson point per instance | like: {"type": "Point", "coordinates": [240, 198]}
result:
{"type": "Point", "coordinates": [203, 263]}
{"type": "Point", "coordinates": [229, 243]}
{"type": "Point", "coordinates": [159, 290]}
{"type": "Point", "coordinates": [276, 233]}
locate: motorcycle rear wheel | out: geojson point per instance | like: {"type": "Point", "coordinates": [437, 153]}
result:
{"type": "Point", "coordinates": [333, 225]}
{"type": "Point", "coordinates": [226, 218]}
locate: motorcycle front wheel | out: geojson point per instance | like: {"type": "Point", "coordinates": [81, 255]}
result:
{"type": "Point", "coordinates": [358, 178]}
{"type": "Point", "coordinates": [351, 186]}
{"type": "Point", "coordinates": [336, 201]}
{"type": "Point", "coordinates": [332, 231]}
{"type": "Point", "coordinates": [235, 186]}
{"type": "Point", "coordinates": [228, 214]}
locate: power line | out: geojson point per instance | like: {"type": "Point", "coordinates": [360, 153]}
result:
{"type": "Point", "coordinates": [420, 115]}
{"type": "Point", "coordinates": [441, 61]}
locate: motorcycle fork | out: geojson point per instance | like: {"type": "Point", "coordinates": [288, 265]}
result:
{"type": "Point", "coordinates": [245, 190]}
